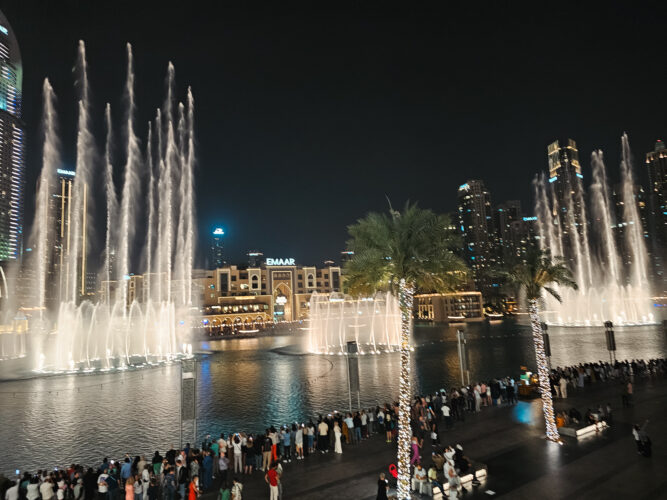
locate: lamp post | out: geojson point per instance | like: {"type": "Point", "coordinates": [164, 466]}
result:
{"type": "Point", "coordinates": [463, 356]}
{"type": "Point", "coordinates": [611, 340]}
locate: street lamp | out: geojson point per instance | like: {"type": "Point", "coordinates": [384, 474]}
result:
{"type": "Point", "coordinates": [611, 340]}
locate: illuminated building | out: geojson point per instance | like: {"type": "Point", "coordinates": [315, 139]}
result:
{"type": "Point", "coordinates": [656, 165]}
{"type": "Point", "coordinates": [255, 258]}
{"type": "Point", "coordinates": [275, 291]}
{"type": "Point", "coordinates": [216, 256]}
{"type": "Point", "coordinates": [565, 181]}
{"type": "Point", "coordinates": [12, 145]}
{"type": "Point", "coordinates": [476, 226]}
{"type": "Point", "coordinates": [345, 256]}
{"type": "Point", "coordinates": [449, 307]}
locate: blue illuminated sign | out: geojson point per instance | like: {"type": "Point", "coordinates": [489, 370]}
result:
{"type": "Point", "coordinates": [4, 30]}
{"type": "Point", "coordinates": [580, 176]}
{"type": "Point", "coordinates": [553, 179]}
{"type": "Point", "coordinates": [218, 231]}
{"type": "Point", "coordinates": [526, 219]}
{"type": "Point", "coordinates": [69, 173]}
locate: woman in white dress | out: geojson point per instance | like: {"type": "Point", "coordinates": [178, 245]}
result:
{"type": "Point", "coordinates": [338, 448]}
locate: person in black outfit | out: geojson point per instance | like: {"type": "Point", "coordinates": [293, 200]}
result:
{"type": "Point", "coordinates": [383, 487]}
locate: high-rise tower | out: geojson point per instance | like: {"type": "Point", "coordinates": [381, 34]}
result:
{"type": "Point", "coordinates": [565, 179]}
{"type": "Point", "coordinates": [474, 207]}
{"type": "Point", "coordinates": [656, 164]}
{"type": "Point", "coordinates": [216, 256]}
{"type": "Point", "coordinates": [12, 145]}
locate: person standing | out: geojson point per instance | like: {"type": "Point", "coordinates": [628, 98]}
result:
{"type": "Point", "coordinates": [129, 487]}
{"type": "Point", "coordinates": [383, 488]}
{"type": "Point", "coordinates": [237, 488]}
{"type": "Point", "coordinates": [298, 442]}
{"type": "Point", "coordinates": [266, 451]}
{"type": "Point", "coordinates": [338, 448]}
{"type": "Point", "coordinates": [194, 491]}
{"type": "Point", "coordinates": [562, 383]}
{"type": "Point", "coordinates": [322, 431]}
{"type": "Point", "coordinates": [207, 466]}
{"type": "Point", "coordinates": [271, 477]}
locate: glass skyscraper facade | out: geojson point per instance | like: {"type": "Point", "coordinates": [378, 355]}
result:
{"type": "Point", "coordinates": [12, 145]}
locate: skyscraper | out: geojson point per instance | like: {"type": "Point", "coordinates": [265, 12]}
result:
{"type": "Point", "coordinates": [12, 145]}
{"type": "Point", "coordinates": [474, 207]}
{"type": "Point", "coordinates": [565, 179]}
{"type": "Point", "coordinates": [216, 256]}
{"type": "Point", "coordinates": [656, 164]}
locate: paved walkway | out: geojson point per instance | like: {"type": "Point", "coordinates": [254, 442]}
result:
{"type": "Point", "coordinates": [521, 463]}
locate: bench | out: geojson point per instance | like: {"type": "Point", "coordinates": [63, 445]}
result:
{"type": "Point", "coordinates": [579, 432]}
{"type": "Point", "coordinates": [466, 480]}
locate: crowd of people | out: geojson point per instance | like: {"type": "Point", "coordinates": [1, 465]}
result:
{"type": "Point", "coordinates": [224, 460]}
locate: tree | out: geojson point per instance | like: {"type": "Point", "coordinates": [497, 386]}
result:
{"type": "Point", "coordinates": [536, 275]}
{"type": "Point", "coordinates": [401, 253]}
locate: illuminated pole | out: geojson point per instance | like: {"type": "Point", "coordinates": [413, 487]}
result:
{"type": "Point", "coordinates": [543, 373]}
{"type": "Point", "coordinates": [405, 301]}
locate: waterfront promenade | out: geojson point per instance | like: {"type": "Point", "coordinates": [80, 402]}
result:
{"type": "Point", "coordinates": [521, 463]}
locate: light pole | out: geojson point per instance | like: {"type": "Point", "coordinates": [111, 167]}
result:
{"type": "Point", "coordinates": [463, 356]}
{"type": "Point", "coordinates": [611, 340]}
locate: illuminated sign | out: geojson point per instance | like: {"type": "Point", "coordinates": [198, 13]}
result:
{"type": "Point", "coordinates": [4, 30]}
{"type": "Point", "coordinates": [280, 262]}
{"type": "Point", "coordinates": [527, 219]}
{"type": "Point", "coordinates": [464, 187]}
{"type": "Point", "coordinates": [69, 173]}
{"type": "Point", "coordinates": [218, 231]}
{"type": "Point", "coordinates": [281, 300]}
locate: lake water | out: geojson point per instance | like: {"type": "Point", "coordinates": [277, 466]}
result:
{"type": "Point", "coordinates": [247, 384]}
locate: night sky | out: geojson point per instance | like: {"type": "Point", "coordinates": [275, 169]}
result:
{"type": "Point", "coordinates": [307, 119]}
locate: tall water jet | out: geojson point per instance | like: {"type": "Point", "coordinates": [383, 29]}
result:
{"type": "Point", "coordinates": [633, 224]}
{"type": "Point", "coordinates": [130, 182]}
{"type": "Point", "coordinates": [111, 204]}
{"type": "Point", "coordinates": [189, 168]}
{"type": "Point", "coordinates": [168, 168]}
{"type": "Point", "coordinates": [602, 214]}
{"type": "Point", "coordinates": [151, 212]}
{"type": "Point", "coordinates": [50, 163]}
{"type": "Point", "coordinates": [75, 281]}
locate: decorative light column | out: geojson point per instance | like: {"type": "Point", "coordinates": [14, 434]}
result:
{"type": "Point", "coordinates": [543, 373]}
{"type": "Point", "coordinates": [405, 301]}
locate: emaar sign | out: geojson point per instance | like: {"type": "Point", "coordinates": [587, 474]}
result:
{"type": "Point", "coordinates": [280, 262]}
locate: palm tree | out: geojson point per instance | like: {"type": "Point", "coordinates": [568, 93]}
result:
{"type": "Point", "coordinates": [402, 252]}
{"type": "Point", "coordinates": [537, 274]}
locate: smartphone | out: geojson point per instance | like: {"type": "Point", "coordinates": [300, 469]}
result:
{"type": "Point", "coordinates": [18, 472]}
{"type": "Point", "coordinates": [55, 468]}
{"type": "Point", "coordinates": [113, 462]}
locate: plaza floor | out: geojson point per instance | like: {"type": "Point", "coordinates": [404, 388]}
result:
{"type": "Point", "coordinates": [521, 463]}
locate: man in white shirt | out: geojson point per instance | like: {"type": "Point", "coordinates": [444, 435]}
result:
{"type": "Point", "coordinates": [322, 431]}
{"type": "Point", "coordinates": [12, 492]}
{"type": "Point", "coordinates": [46, 489]}
{"type": "Point", "coordinates": [419, 480]}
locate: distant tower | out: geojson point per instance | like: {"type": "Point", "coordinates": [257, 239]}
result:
{"type": "Point", "coordinates": [59, 232]}
{"type": "Point", "coordinates": [216, 249]}
{"type": "Point", "coordinates": [255, 258]}
{"type": "Point", "coordinates": [656, 164]}
{"type": "Point", "coordinates": [565, 179]}
{"type": "Point", "coordinates": [12, 145]}
{"type": "Point", "coordinates": [474, 207]}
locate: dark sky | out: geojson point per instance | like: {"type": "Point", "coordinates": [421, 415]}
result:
{"type": "Point", "coordinates": [306, 119]}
